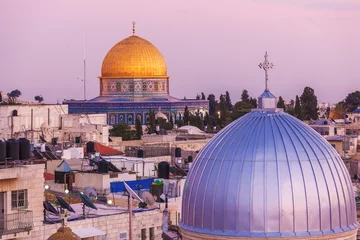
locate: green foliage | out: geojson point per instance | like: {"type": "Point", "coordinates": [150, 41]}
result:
{"type": "Point", "coordinates": [164, 124]}
{"type": "Point", "coordinates": [39, 98]}
{"type": "Point", "coordinates": [203, 96]}
{"type": "Point", "coordinates": [352, 101]}
{"type": "Point", "coordinates": [13, 95]}
{"type": "Point", "coordinates": [281, 103]}
{"type": "Point", "coordinates": [290, 108]}
{"type": "Point", "coordinates": [196, 121]}
{"type": "Point", "coordinates": [245, 96]}
{"type": "Point", "coordinates": [198, 97]}
{"type": "Point", "coordinates": [123, 130]}
{"type": "Point", "coordinates": [150, 124]}
{"type": "Point", "coordinates": [224, 117]}
{"type": "Point", "coordinates": [298, 111]}
{"type": "Point", "coordinates": [240, 109]}
{"type": "Point", "coordinates": [309, 104]}
{"type": "Point", "coordinates": [339, 111]}
{"type": "Point", "coordinates": [228, 100]}
{"type": "Point", "coordinates": [253, 102]}
{"type": "Point", "coordinates": [179, 123]}
{"type": "Point", "coordinates": [138, 128]}
{"type": "Point", "coordinates": [186, 115]}
{"type": "Point", "coordinates": [212, 105]}
{"type": "Point", "coordinates": [327, 113]}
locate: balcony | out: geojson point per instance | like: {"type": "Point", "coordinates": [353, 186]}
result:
{"type": "Point", "coordinates": [22, 221]}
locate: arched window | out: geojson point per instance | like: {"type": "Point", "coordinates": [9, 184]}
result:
{"type": "Point", "coordinates": [112, 119]}
{"type": "Point", "coordinates": [130, 119]}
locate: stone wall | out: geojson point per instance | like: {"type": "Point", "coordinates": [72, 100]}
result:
{"type": "Point", "coordinates": [29, 117]}
{"type": "Point", "coordinates": [112, 225]}
{"type": "Point", "coordinates": [25, 177]}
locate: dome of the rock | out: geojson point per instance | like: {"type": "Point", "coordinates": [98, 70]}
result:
{"type": "Point", "coordinates": [268, 175]}
{"type": "Point", "coordinates": [134, 57]}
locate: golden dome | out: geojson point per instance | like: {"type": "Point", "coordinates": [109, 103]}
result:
{"type": "Point", "coordinates": [134, 57]}
{"type": "Point", "coordinates": [64, 233]}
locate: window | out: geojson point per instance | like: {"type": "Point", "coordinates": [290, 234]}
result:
{"type": "Point", "coordinates": [151, 233]}
{"type": "Point", "coordinates": [123, 236]}
{"type": "Point", "coordinates": [143, 234]}
{"type": "Point", "coordinates": [19, 199]}
{"type": "Point", "coordinates": [112, 119]}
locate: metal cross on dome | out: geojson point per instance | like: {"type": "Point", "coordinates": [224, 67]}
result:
{"type": "Point", "coordinates": [266, 65]}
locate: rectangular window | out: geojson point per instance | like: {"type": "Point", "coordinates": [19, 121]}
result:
{"type": "Point", "coordinates": [123, 236]}
{"type": "Point", "coordinates": [151, 233]}
{"type": "Point", "coordinates": [19, 199]}
{"type": "Point", "coordinates": [143, 234]}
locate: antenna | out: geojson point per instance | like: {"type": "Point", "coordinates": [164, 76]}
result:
{"type": "Point", "coordinates": [84, 66]}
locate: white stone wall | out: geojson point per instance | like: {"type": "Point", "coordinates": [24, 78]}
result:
{"type": "Point", "coordinates": [113, 225]}
{"type": "Point", "coordinates": [100, 181]}
{"type": "Point", "coordinates": [31, 178]}
{"type": "Point", "coordinates": [25, 121]}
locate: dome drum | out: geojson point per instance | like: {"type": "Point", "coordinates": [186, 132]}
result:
{"type": "Point", "coordinates": [268, 175]}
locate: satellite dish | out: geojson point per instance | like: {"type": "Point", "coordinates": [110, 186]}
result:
{"type": "Point", "coordinates": [50, 208]}
{"type": "Point", "coordinates": [64, 204]}
{"type": "Point", "coordinates": [86, 201]}
{"type": "Point", "coordinates": [148, 198]}
{"type": "Point", "coordinates": [131, 192]}
{"type": "Point", "coordinates": [90, 193]}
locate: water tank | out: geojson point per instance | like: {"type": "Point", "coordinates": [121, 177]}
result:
{"type": "Point", "coordinates": [103, 166]}
{"type": "Point", "coordinates": [2, 152]}
{"type": "Point", "coordinates": [177, 152]}
{"type": "Point", "coordinates": [12, 149]}
{"type": "Point", "coordinates": [90, 147]}
{"type": "Point", "coordinates": [163, 170]}
{"type": "Point", "coordinates": [24, 153]}
{"type": "Point", "coordinates": [140, 153]}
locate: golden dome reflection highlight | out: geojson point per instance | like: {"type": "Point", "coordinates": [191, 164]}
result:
{"type": "Point", "coordinates": [134, 57]}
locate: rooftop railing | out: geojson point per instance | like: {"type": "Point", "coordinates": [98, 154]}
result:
{"type": "Point", "coordinates": [21, 221]}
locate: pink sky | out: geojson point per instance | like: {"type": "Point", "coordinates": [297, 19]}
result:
{"type": "Point", "coordinates": [209, 46]}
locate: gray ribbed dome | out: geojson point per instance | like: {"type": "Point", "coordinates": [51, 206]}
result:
{"type": "Point", "coordinates": [268, 175]}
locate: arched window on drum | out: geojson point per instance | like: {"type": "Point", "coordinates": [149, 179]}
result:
{"type": "Point", "coordinates": [130, 120]}
{"type": "Point", "coordinates": [112, 119]}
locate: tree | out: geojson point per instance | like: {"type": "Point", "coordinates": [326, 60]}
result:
{"type": "Point", "coordinates": [240, 109]}
{"type": "Point", "coordinates": [228, 100]}
{"type": "Point", "coordinates": [253, 102]}
{"type": "Point", "coordinates": [186, 115]}
{"type": "Point", "coordinates": [309, 104]}
{"type": "Point", "coordinates": [339, 111]}
{"type": "Point", "coordinates": [290, 108]}
{"type": "Point", "coordinates": [13, 95]}
{"type": "Point", "coordinates": [245, 96]}
{"type": "Point", "coordinates": [151, 124]}
{"type": "Point", "coordinates": [352, 101]}
{"type": "Point", "coordinates": [327, 112]}
{"type": "Point", "coordinates": [138, 128]}
{"type": "Point", "coordinates": [39, 98]}
{"type": "Point", "coordinates": [281, 103]}
{"type": "Point", "coordinates": [212, 105]}
{"type": "Point", "coordinates": [224, 112]}
{"type": "Point", "coordinates": [196, 121]}
{"type": "Point", "coordinates": [123, 130]}
{"type": "Point", "coordinates": [203, 96]}
{"type": "Point", "coordinates": [298, 112]}
{"type": "Point", "coordinates": [197, 97]}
